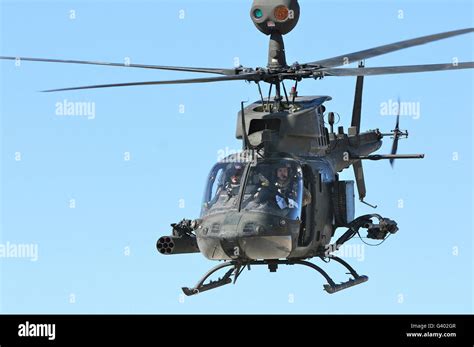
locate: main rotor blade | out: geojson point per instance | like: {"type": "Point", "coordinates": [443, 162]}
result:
{"type": "Point", "coordinates": [247, 77]}
{"type": "Point", "coordinates": [376, 51]}
{"type": "Point", "coordinates": [227, 72]}
{"type": "Point", "coordinates": [388, 70]}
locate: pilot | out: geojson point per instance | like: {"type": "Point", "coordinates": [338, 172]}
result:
{"type": "Point", "coordinates": [232, 184]}
{"type": "Point", "coordinates": [284, 191]}
{"type": "Point", "coordinates": [285, 188]}
{"type": "Point", "coordinates": [229, 188]}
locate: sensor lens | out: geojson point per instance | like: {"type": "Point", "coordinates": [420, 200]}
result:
{"type": "Point", "coordinates": [281, 13]}
{"type": "Point", "coordinates": [258, 13]}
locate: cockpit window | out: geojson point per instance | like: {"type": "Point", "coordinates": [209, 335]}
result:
{"type": "Point", "coordinates": [274, 187]}
{"type": "Point", "coordinates": [222, 189]}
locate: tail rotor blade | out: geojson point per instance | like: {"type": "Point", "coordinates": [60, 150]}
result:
{"type": "Point", "coordinates": [396, 135]}
{"type": "Point", "coordinates": [394, 150]}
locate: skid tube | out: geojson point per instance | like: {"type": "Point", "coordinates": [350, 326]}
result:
{"type": "Point", "coordinates": [236, 268]}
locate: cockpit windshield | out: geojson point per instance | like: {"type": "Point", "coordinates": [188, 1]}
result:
{"type": "Point", "coordinates": [222, 189]}
{"type": "Point", "coordinates": [274, 186]}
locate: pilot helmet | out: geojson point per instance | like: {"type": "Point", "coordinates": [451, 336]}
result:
{"type": "Point", "coordinates": [284, 165]}
{"type": "Point", "coordinates": [235, 173]}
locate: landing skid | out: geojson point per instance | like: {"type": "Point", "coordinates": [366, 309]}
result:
{"type": "Point", "coordinates": [237, 267]}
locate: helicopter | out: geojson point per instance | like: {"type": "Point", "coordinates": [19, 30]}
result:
{"type": "Point", "coordinates": [280, 200]}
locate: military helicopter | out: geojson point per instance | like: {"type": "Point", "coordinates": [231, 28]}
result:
{"type": "Point", "coordinates": [280, 200]}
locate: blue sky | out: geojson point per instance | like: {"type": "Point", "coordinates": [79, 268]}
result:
{"type": "Point", "coordinates": [100, 256]}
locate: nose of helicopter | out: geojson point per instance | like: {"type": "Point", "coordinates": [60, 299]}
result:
{"type": "Point", "coordinates": [266, 246]}
{"type": "Point", "coordinates": [247, 236]}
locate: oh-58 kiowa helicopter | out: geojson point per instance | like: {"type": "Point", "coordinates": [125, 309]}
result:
{"type": "Point", "coordinates": [280, 200]}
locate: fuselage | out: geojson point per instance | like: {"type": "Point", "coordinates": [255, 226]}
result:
{"type": "Point", "coordinates": [251, 218]}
